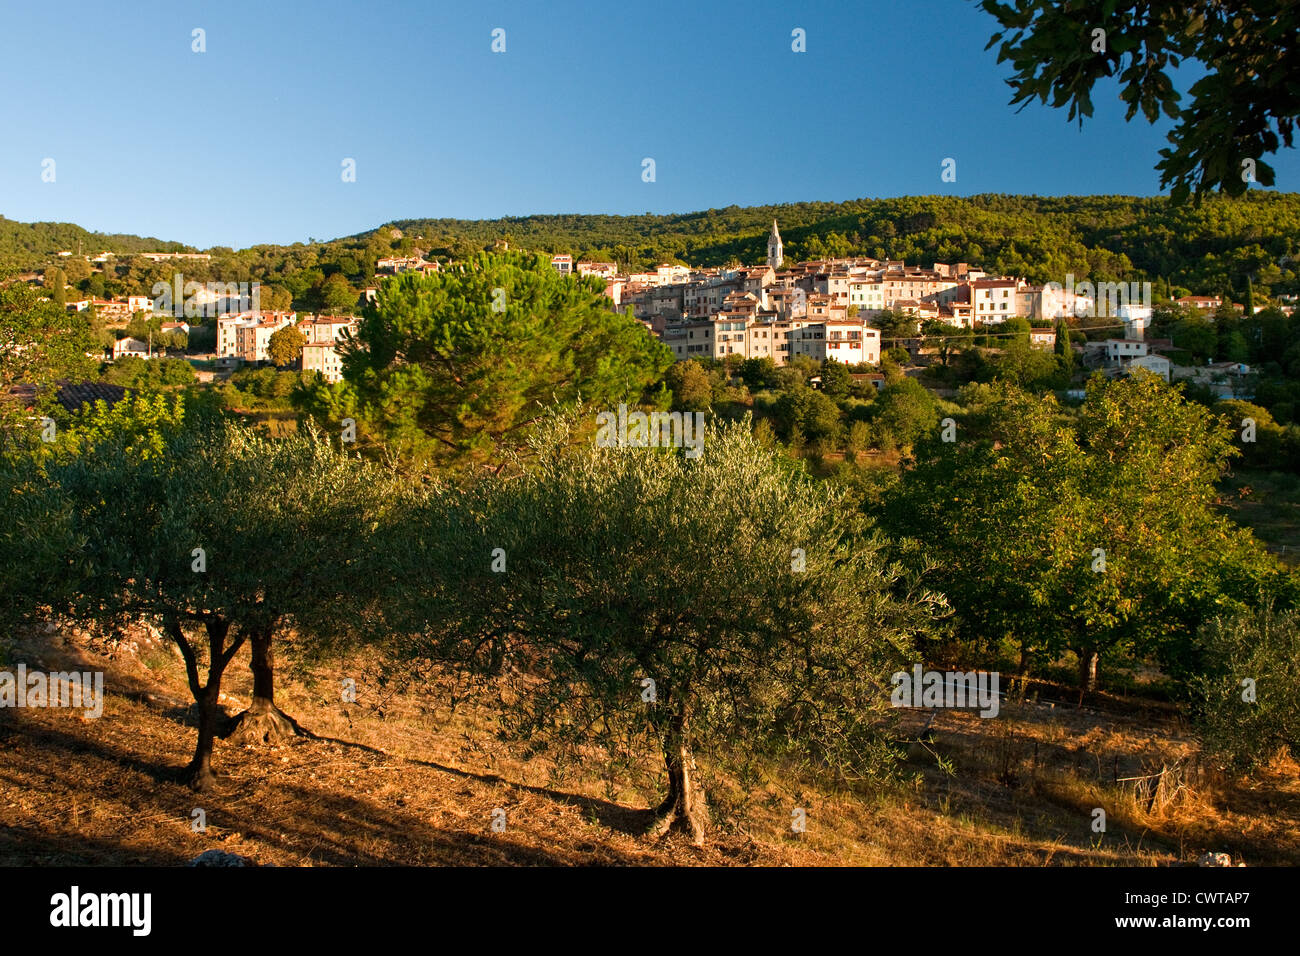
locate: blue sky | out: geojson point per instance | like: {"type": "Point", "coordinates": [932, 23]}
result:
{"type": "Point", "coordinates": [244, 143]}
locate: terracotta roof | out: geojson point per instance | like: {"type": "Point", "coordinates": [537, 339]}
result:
{"type": "Point", "coordinates": [71, 395]}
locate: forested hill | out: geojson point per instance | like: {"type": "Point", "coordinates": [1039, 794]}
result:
{"type": "Point", "coordinates": [1210, 248]}
{"type": "Point", "coordinates": [27, 245]}
{"type": "Point", "coordinates": [1041, 238]}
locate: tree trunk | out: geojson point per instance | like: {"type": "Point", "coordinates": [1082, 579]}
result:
{"type": "Point", "coordinates": [1087, 670]}
{"type": "Point", "coordinates": [684, 806]}
{"type": "Point", "coordinates": [263, 722]}
{"type": "Point", "coordinates": [199, 772]}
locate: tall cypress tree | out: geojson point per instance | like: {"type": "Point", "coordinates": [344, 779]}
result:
{"type": "Point", "coordinates": [55, 280]}
{"type": "Point", "coordinates": [1064, 353]}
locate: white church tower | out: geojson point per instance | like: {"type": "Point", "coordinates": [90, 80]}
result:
{"type": "Point", "coordinates": [775, 255]}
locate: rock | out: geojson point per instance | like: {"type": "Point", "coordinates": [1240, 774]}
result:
{"type": "Point", "coordinates": [220, 858]}
{"type": "Point", "coordinates": [1214, 859]}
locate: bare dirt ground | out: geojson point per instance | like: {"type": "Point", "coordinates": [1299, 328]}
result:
{"type": "Point", "coordinates": [391, 780]}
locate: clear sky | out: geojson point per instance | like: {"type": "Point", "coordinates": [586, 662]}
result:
{"type": "Point", "coordinates": [244, 143]}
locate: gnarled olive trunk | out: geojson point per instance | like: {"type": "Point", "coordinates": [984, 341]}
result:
{"type": "Point", "coordinates": [263, 722]}
{"type": "Point", "coordinates": [199, 774]}
{"type": "Point", "coordinates": [199, 770]}
{"type": "Point", "coordinates": [684, 807]}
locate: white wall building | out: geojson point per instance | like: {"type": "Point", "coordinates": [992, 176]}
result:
{"type": "Point", "coordinates": [994, 300]}
{"type": "Point", "coordinates": [130, 347]}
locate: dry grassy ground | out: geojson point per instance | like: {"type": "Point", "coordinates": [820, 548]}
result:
{"type": "Point", "coordinates": [395, 780]}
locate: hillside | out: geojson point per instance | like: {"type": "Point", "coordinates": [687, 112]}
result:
{"type": "Point", "coordinates": [1039, 237]}
{"type": "Point", "coordinates": [1213, 247]}
{"type": "Point", "coordinates": [397, 780]}
{"type": "Point", "coordinates": [27, 245]}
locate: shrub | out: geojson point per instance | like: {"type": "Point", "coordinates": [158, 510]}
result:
{"type": "Point", "coordinates": [1248, 699]}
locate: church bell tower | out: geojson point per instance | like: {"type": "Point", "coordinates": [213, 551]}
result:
{"type": "Point", "coordinates": [775, 255]}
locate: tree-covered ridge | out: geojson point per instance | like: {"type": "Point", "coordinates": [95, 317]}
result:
{"type": "Point", "coordinates": [1213, 247]}
{"type": "Point", "coordinates": [27, 245]}
{"type": "Point", "coordinates": [1040, 237]}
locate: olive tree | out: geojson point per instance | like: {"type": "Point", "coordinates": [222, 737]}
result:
{"type": "Point", "coordinates": [712, 607]}
{"type": "Point", "coordinates": [223, 536]}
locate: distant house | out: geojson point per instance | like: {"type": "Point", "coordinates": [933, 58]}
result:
{"type": "Point", "coordinates": [562, 264]}
{"type": "Point", "coordinates": [1042, 338]}
{"type": "Point", "coordinates": [875, 378]}
{"type": "Point", "coordinates": [1114, 355]}
{"type": "Point", "coordinates": [326, 328]}
{"type": "Point", "coordinates": [994, 299]}
{"type": "Point", "coordinates": [1120, 352]}
{"type": "Point", "coordinates": [922, 310]}
{"type": "Point", "coordinates": [324, 358]}
{"type": "Point", "coordinates": [243, 337]}
{"type": "Point", "coordinates": [130, 347]}
{"type": "Point", "coordinates": [1201, 301]}
{"type": "Point", "coordinates": [1223, 379]}
{"type": "Point", "coordinates": [163, 256]}
{"type": "Point", "coordinates": [254, 336]}
{"type": "Point", "coordinates": [111, 309]}
{"type": "Point", "coordinates": [394, 265]}
{"type": "Point", "coordinates": [960, 314]}
{"type": "Point", "coordinates": [1156, 364]}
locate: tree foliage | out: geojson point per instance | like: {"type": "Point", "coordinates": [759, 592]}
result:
{"type": "Point", "coordinates": [218, 534]}
{"type": "Point", "coordinates": [454, 365]}
{"type": "Point", "coordinates": [1248, 700]}
{"type": "Point", "coordinates": [660, 649]}
{"type": "Point", "coordinates": [284, 347]}
{"type": "Point", "coordinates": [1245, 106]}
{"type": "Point", "coordinates": [1085, 533]}
{"type": "Point", "coordinates": [40, 345]}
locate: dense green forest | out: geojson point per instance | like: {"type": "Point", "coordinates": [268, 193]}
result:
{"type": "Point", "coordinates": [1212, 247]}
{"type": "Point", "coordinates": [1042, 238]}
{"type": "Point", "coordinates": [25, 246]}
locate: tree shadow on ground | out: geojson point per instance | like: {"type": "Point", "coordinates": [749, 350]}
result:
{"type": "Point", "coordinates": [630, 821]}
{"type": "Point", "coordinates": [27, 846]}
{"type": "Point", "coordinates": [312, 824]}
